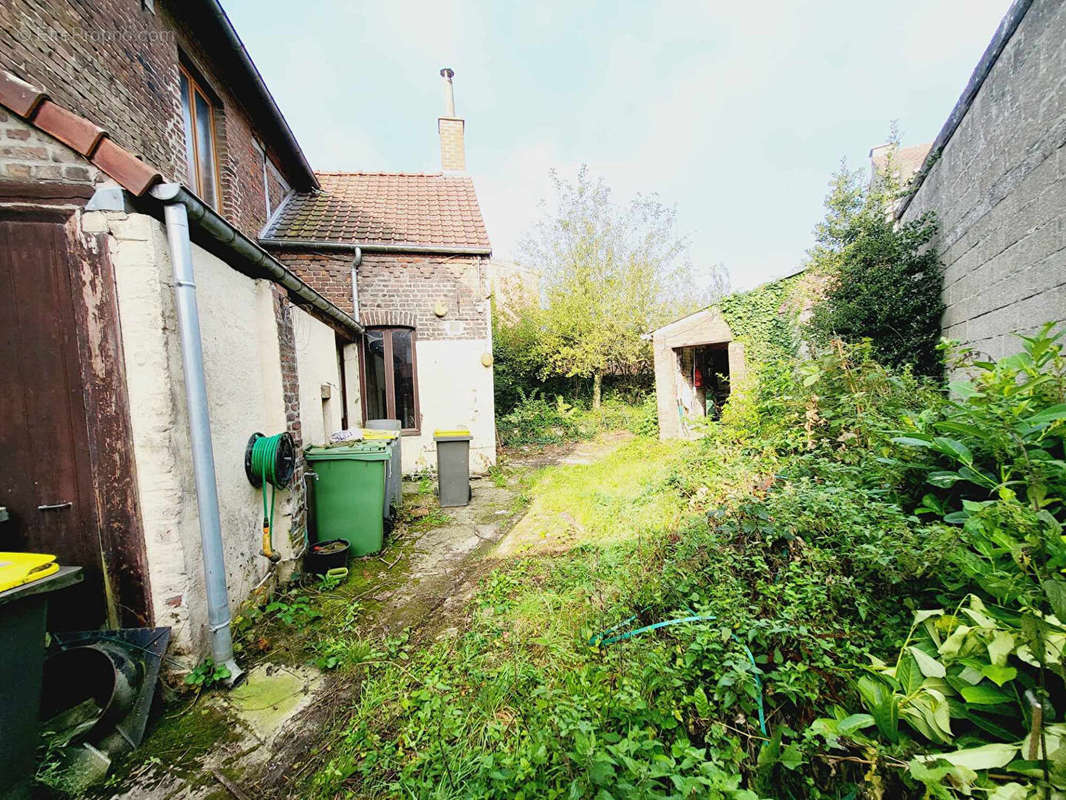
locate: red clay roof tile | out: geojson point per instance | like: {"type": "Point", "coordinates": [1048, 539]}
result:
{"type": "Point", "coordinates": [74, 131]}
{"type": "Point", "coordinates": [386, 208]}
{"type": "Point", "coordinates": [19, 96]}
{"type": "Point", "coordinates": [134, 175]}
{"type": "Point", "coordinates": [78, 133]}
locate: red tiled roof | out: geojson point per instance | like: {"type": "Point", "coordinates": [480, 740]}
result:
{"type": "Point", "coordinates": [397, 209]}
{"type": "Point", "coordinates": [79, 134]}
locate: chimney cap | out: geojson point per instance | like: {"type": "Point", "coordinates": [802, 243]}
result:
{"type": "Point", "coordinates": [448, 73]}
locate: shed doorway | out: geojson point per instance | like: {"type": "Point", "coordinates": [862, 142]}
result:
{"type": "Point", "coordinates": [704, 380]}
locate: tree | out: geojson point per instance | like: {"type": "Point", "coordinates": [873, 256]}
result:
{"type": "Point", "coordinates": [611, 273]}
{"type": "Point", "coordinates": [883, 279]}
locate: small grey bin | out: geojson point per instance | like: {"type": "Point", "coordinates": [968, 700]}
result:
{"type": "Point", "coordinates": [453, 467]}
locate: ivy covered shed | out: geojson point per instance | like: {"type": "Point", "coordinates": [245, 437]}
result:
{"type": "Point", "coordinates": [696, 360]}
{"type": "Point", "coordinates": [701, 357]}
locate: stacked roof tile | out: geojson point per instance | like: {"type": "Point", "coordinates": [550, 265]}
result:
{"type": "Point", "coordinates": [397, 209]}
{"type": "Point", "coordinates": [32, 104]}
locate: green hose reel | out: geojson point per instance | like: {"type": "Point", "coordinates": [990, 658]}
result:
{"type": "Point", "coordinates": [270, 460]}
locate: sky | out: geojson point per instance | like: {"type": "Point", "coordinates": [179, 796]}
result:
{"type": "Point", "coordinates": [737, 113]}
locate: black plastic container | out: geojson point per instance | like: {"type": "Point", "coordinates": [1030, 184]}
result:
{"type": "Point", "coordinates": [324, 556]}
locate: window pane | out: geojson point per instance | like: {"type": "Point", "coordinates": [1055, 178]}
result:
{"type": "Point", "coordinates": [206, 150]}
{"type": "Point", "coordinates": [374, 382]}
{"type": "Point", "coordinates": [186, 115]}
{"type": "Point", "coordinates": [404, 378]}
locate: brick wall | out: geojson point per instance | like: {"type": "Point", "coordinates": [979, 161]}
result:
{"type": "Point", "coordinates": [452, 149]}
{"type": "Point", "coordinates": [117, 65]}
{"type": "Point", "coordinates": [999, 190]}
{"type": "Point", "coordinates": [108, 60]}
{"type": "Point", "coordinates": [328, 273]}
{"type": "Point", "coordinates": [27, 154]}
{"type": "Point", "coordinates": [411, 285]}
{"type": "Point", "coordinates": [290, 390]}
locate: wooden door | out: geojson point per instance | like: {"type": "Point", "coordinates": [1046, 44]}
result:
{"type": "Point", "coordinates": [45, 478]}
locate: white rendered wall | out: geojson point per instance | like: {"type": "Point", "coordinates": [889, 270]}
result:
{"type": "Point", "coordinates": [317, 367]}
{"type": "Point", "coordinates": [243, 373]}
{"type": "Point", "coordinates": [454, 391]}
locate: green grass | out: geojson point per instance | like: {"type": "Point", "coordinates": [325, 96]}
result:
{"type": "Point", "coordinates": [513, 704]}
{"type": "Point", "coordinates": [615, 498]}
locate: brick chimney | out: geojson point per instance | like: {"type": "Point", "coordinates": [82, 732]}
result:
{"type": "Point", "coordinates": [450, 128]}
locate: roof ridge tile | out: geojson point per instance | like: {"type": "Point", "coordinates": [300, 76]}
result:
{"type": "Point", "coordinates": [81, 135]}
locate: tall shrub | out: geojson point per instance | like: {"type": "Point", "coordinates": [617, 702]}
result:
{"type": "Point", "coordinates": [883, 278]}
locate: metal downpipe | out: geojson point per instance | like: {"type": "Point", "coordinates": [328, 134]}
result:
{"type": "Point", "coordinates": [218, 615]}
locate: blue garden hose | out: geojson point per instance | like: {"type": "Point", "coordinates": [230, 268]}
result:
{"type": "Point", "coordinates": [604, 638]}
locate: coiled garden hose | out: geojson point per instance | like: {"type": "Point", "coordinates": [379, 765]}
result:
{"type": "Point", "coordinates": [604, 638]}
{"type": "Point", "coordinates": [270, 460]}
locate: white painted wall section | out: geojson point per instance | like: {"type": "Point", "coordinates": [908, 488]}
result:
{"type": "Point", "coordinates": [319, 373]}
{"type": "Point", "coordinates": [244, 388]}
{"type": "Point", "coordinates": [454, 391]}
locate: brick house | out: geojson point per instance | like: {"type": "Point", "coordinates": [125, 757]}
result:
{"type": "Point", "coordinates": [141, 156]}
{"type": "Point", "coordinates": [407, 255]}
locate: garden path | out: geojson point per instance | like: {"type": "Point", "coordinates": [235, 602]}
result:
{"type": "Point", "coordinates": [272, 728]}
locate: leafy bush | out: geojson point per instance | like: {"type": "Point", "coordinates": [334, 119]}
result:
{"type": "Point", "coordinates": [883, 280]}
{"type": "Point", "coordinates": [536, 420]}
{"type": "Point", "coordinates": [992, 458]}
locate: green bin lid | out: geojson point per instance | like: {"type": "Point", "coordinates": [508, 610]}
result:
{"type": "Point", "coordinates": [361, 451]}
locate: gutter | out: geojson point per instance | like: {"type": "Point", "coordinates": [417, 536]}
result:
{"type": "Point", "coordinates": [1007, 27]}
{"type": "Point", "coordinates": [210, 223]}
{"type": "Point", "coordinates": [351, 247]}
{"type": "Point", "coordinates": [237, 46]}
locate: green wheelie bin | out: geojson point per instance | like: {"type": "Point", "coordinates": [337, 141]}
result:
{"type": "Point", "coordinates": [349, 493]}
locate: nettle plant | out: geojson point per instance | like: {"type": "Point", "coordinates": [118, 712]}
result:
{"type": "Point", "coordinates": [986, 678]}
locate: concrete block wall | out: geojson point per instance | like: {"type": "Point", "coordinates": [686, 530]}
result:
{"type": "Point", "coordinates": [999, 191]}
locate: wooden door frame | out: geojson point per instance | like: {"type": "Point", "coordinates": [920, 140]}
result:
{"type": "Point", "coordinates": [101, 368]}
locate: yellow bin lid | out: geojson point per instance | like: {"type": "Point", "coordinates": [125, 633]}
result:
{"type": "Point", "coordinates": [369, 434]}
{"type": "Point", "coordinates": [19, 568]}
{"type": "Point", "coordinates": [445, 434]}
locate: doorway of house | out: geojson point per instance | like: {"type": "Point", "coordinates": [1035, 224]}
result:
{"type": "Point", "coordinates": [46, 481]}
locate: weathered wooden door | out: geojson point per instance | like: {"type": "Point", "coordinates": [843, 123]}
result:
{"type": "Point", "coordinates": [45, 478]}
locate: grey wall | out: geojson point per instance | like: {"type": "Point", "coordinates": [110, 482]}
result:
{"type": "Point", "coordinates": [999, 190]}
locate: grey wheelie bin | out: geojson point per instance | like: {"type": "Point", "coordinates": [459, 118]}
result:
{"type": "Point", "coordinates": [453, 466]}
{"type": "Point", "coordinates": [389, 429]}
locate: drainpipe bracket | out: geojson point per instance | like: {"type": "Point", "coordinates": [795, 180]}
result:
{"type": "Point", "coordinates": [109, 198]}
